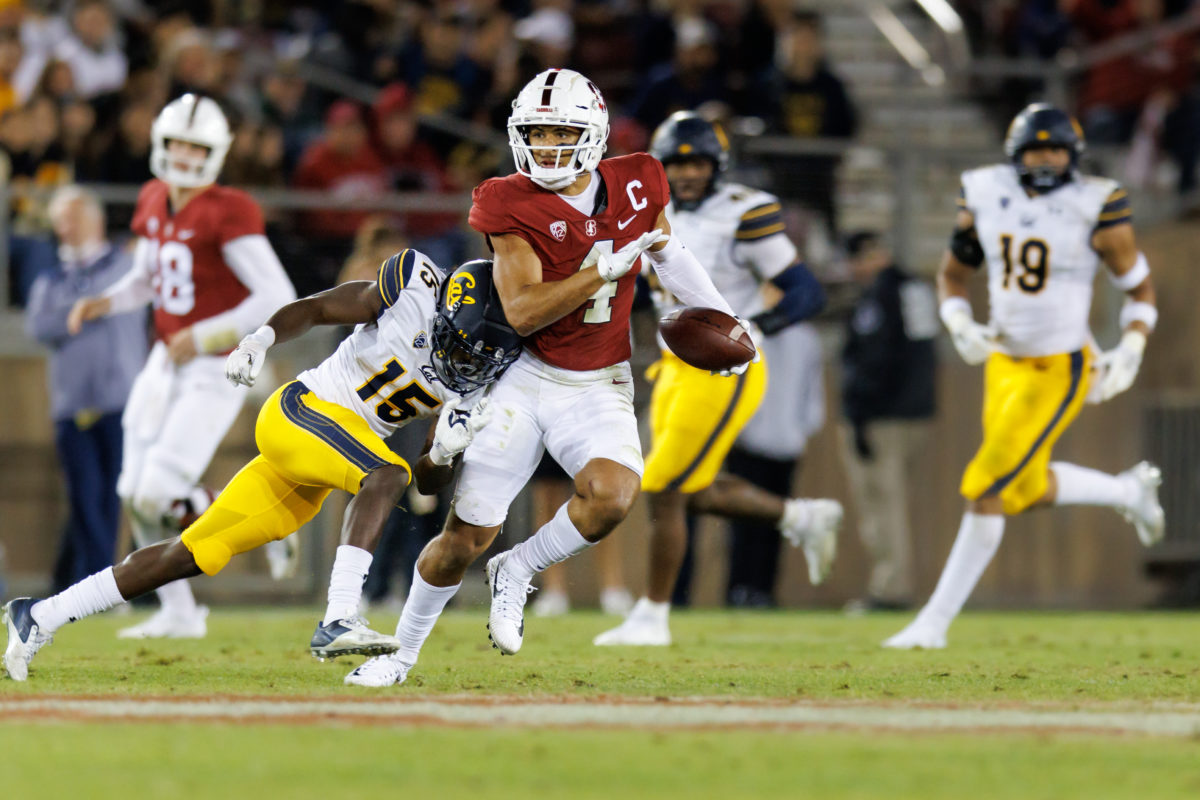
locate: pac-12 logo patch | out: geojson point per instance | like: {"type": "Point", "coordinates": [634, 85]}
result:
{"type": "Point", "coordinates": [558, 230]}
{"type": "Point", "coordinates": [590, 227]}
{"type": "Point", "coordinates": [421, 340]}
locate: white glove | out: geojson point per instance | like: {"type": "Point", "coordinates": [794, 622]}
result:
{"type": "Point", "coordinates": [245, 362]}
{"type": "Point", "coordinates": [1116, 369]}
{"type": "Point", "coordinates": [456, 429]}
{"type": "Point", "coordinates": [973, 341]}
{"type": "Point", "coordinates": [755, 334]}
{"type": "Point", "coordinates": [616, 265]}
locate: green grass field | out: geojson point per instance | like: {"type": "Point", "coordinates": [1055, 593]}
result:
{"type": "Point", "coordinates": [1065, 662]}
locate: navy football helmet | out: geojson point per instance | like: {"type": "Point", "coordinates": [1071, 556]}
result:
{"type": "Point", "coordinates": [686, 135]}
{"type": "Point", "coordinates": [472, 341]}
{"type": "Point", "coordinates": [1043, 125]}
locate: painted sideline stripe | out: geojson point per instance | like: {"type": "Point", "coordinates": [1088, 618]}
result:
{"type": "Point", "coordinates": [587, 714]}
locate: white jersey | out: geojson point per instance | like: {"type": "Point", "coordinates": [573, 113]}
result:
{"type": "Point", "coordinates": [382, 371]}
{"type": "Point", "coordinates": [1040, 260]}
{"type": "Point", "coordinates": [737, 235]}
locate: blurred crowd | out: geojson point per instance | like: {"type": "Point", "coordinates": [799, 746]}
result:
{"type": "Point", "coordinates": [81, 82]}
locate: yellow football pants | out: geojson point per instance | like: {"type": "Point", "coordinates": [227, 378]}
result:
{"type": "Point", "coordinates": [1028, 403]}
{"type": "Point", "coordinates": [307, 447]}
{"type": "Point", "coordinates": [695, 417]}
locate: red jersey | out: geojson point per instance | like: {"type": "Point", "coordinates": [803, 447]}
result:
{"type": "Point", "coordinates": [188, 271]}
{"type": "Point", "coordinates": [633, 194]}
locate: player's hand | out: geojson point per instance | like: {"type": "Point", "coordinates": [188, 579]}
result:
{"type": "Point", "coordinates": [456, 429]}
{"type": "Point", "coordinates": [973, 341]}
{"type": "Point", "coordinates": [1117, 368]}
{"type": "Point", "coordinates": [246, 361]}
{"type": "Point", "coordinates": [755, 337]}
{"type": "Point", "coordinates": [619, 263]}
{"type": "Point", "coordinates": [181, 347]}
{"type": "Point", "coordinates": [86, 310]}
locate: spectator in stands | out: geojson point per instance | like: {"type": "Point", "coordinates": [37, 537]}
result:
{"type": "Point", "coordinates": [126, 159]}
{"type": "Point", "coordinates": [92, 51]}
{"type": "Point", "coordinates": [806, 100]}
{"type": "Point", "coordinates": [1146, 96]}
{"type": "Point", "coordinates": [414, 166]}
{"type": "Point", "coordinates": [888, 392]}
{"type": "Point", "coordinates": [255, 157]}
{"type": "Point", "coordinates": [437, 68]}
{"type": "Point", "coordinates": [78, 123]}
{"type": "Point", "coordinates": [10, 59]}
{"type": "Point", "coordinates": [288, 104]}
{"type": "Point", "coordinates": [192, 64]}
{"type": "Point", "coordinates": [691, 80]}
{"type": "Point", "coordinates": [344, 164]}
{"type": "Point", "coordinates": [90, 376]}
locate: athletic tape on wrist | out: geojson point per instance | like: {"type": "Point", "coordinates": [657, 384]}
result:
{"type": "Point", "coordinates": [1137, 311]}
{"type": "Point", "coordinates": [950, 307]}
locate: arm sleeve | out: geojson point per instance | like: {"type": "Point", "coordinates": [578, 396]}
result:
{"type": "Point", "coordinates": [802, 298]}
{"type": "Point", "coordinates": [257, 267]}
{"type": "Point", "coordinates": [46, 314]}
{"type": "Point", "coordinates": [135, 289]}
{"type": "Point", "coordinates": [681, 274]}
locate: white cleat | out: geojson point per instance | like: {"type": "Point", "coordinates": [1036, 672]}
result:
{"type": "Point", "coordinates": [164, 625]}
{"type": "Point", "coordinates": [813, 526]}
{"type": "Point", "coordinates": [389, 670]}
{"type": "Point", "coordinates": [1146, 513]}
{"type": "Point", "coordinates": [550, 603]}
{"type": "Point", "coordinates": [917, 636]}
{"type": "Point", "coordinates": [506, 621]}
{"type": "Point", "coordinates": [283, 558]}
{"type": "Point", "coordinates": [644, 627]}
{"type": "Point", "coordinates": [25, 637]}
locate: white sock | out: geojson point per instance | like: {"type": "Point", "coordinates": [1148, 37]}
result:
{"type": "Point", "coordinates": [555, 541]}
{"type": "Point", "coordinates": [350, 568]}
{"type": "Point", "coordinates": [1081, 486]}
{"type": "Point", "coordinates": [647, 609]}
{"type": "Point", "coordinates": [421, 611]}
{"type": "Point", "coordinates": [978, 539]}
{"type": "Point", "coordinates": [91, 595]}
{"type": "Point", "coordinates": [177, 598]}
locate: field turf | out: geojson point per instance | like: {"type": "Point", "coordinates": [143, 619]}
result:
{"type": "Point", "coordinates": [1132, 665]}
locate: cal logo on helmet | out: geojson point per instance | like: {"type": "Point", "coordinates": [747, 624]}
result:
{"type": "Point", "coordinates": [455, 292]}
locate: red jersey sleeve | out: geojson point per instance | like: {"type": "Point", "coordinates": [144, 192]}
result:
{"type": "Point", "coordinates": [663, 197]}
{"type": "Point", "coordinates": [490, 213]}
{"type": "Point", "coordinates": [240, 216]}
{"type": "Point", "coordinates": [141, 210]}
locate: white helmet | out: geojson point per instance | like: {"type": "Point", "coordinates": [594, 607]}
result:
{"type": "Point", "coordinates": [559, 97]}
{"type": "Point", "coordinates": [195, 119]}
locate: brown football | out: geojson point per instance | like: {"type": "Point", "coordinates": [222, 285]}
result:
{"type": "Point", "coordinates": [706, 338]}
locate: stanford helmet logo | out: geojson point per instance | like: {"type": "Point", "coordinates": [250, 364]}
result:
{"type": "Point", "coordinates": [590, 227]}
{"type": "Point", "coordinates": [558, 230]}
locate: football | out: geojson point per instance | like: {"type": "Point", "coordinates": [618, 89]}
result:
{"type": "Point", "coordinates": [706, 338]}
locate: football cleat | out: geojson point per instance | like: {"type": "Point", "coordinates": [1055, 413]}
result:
{"type": "Point", "coordinates": [506, 621]}
{"type": "Point", "coordinates": [25, 637]}
{"type": "Point", "coordinates": [813, 526]}
{"type": "Point", "coordinates": [917, 636]}
{"type": "Point", "coordinates": [283, 558]}
{"type": "Point", "coordinates": [1145, 513]}
{"type": "Point", "coordinates": [163, 624]}
{"type": "Point", "coordinates": [642, 628]}
{"type": "Point", "coordinates": [350, 636]}
{"type": "Point", "coordinates": [388, 670]}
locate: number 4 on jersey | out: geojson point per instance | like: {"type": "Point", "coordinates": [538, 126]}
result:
{"type": "Point", "coordinates": [600, 310]}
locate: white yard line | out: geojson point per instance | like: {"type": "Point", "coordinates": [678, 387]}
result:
{"type": "Point", "coordinates": [689, 714]}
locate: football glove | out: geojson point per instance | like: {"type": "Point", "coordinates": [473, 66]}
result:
{"type": "Point", "coordinates": [617, 265]}
{"type": "Point", "coordinates": [755, 334]}
{"type": "Point", "coordinates": [246, 361]}
{"type": "Point", "coordinates": [973, 341]}
{"type": "Point", "coordinates": [456, 429]}
{"type": "Point", "coordinates": [1116, 369]}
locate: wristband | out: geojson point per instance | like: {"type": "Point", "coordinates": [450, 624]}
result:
{"type": "Point", "coordinates": [952, 308]}
{"type": "Point", "coordinates": [1137, 311]}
